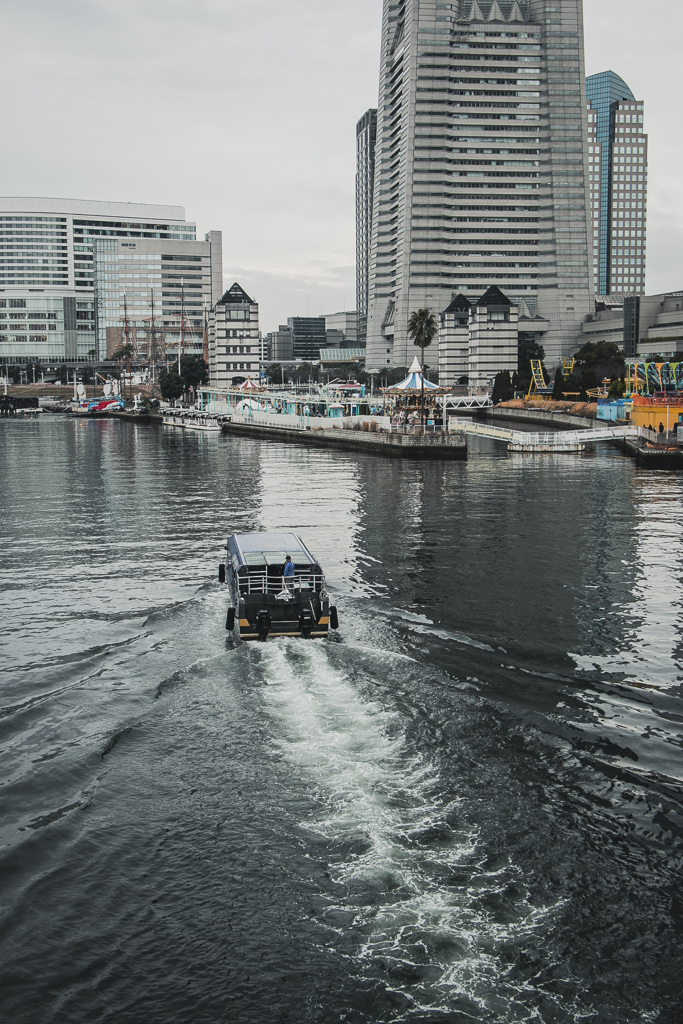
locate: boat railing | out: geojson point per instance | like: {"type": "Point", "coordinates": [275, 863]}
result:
{"type": "Point", "coordinates": [264, 583]}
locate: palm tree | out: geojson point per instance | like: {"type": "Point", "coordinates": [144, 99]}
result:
{"type": "Point", "coordinates": [422, 328]}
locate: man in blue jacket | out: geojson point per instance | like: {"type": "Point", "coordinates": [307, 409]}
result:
{"type": "Point", "coordinates": [289, 573]}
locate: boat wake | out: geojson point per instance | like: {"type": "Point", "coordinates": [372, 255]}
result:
{"type": "Point", "coordinates": [418, 903]}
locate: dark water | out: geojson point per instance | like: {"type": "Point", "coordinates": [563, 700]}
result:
{"type": "Point", "coordinates": [466, 809]}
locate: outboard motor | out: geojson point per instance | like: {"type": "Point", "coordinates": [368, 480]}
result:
{"type": "Point", "coordinates": [263, 624]}
{"type": "Point", "coordinates": [306, 622]}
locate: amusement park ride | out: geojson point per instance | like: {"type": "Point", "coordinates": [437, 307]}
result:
{"type": "Point", "coordinates": [538, 387]}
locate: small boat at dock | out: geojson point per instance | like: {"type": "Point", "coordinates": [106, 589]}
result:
{"type": "Point", "coordinates": [193, 421]}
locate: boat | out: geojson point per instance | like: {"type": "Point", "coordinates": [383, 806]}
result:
{"type": "Point", "coordinates": [192, 421]}
{"type": "Point", "coordinates": [263, 602]}
{"type": "Point", "coordinates": [97, 406]}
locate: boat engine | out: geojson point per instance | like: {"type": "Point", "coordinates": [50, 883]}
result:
{"type": "Point", "coordinates": [263, 624]}
{"type": "Point", "coordinates": [306, 622]}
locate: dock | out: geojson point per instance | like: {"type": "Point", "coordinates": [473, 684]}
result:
{"type": "Point", "coordinates": [548, 441]}
{"type": "Point", "coordinates": [391, 444]}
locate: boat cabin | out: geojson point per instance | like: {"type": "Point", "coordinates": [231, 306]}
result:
{"type": "Point", "coordinates": [258, 563]}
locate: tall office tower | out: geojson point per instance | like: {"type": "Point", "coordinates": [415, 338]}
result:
{"type": "Point", "coordinates": [155, 294]}
{"type": "Point", "coordinates": [366, 132]}
{"type": "Point", "coordinates": [46, 270]}
{"type": "Point", "coordinates": [480, 173]}
{"type": "Point", "coordinates": [617, 172]}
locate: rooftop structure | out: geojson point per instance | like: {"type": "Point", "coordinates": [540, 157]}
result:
{"type": "Point", "coordinates": [338, 356]}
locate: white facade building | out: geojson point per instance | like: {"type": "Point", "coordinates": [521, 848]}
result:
{"type": "Point", "coordinates": [454, 343]}
{"type": "Point", "coordinates": [480, 166]}
{"type": "Point", "coordinates": [46, 270]}
{"type": "Point", "coordinates": [477, 340]}
{"type": "Point", "coordinates": [234, 338]}
{"type": "Point", "coordinates": [493, 338]}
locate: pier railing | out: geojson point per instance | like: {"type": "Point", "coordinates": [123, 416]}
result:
{"type": "Point", "coordinates": [415, 428]}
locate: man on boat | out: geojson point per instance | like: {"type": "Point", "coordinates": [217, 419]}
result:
{"type": "Point", "coordinates": [289, 572]}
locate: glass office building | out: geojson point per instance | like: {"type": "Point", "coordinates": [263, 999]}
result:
{"type": "Point", "coordinates": [155, 295]}
{"type": "Point", "coordinates": [308, 337]}
{"type": "Point", "coordinates": [47, 302]}
{"type": "Point", "coordinates": [617, 172]}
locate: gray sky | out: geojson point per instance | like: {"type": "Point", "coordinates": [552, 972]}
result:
{"type": "Point", "coordinates": [244, 111]}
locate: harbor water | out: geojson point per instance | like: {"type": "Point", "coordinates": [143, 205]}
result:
{"type": "Point", "coordinates": [466, 806]}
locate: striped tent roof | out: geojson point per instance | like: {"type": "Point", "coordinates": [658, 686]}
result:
{"type": "Point", "coordinates": [413, 383]}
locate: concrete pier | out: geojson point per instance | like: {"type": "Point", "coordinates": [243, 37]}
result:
{"type": "Point", "coordinates": [393, 445]}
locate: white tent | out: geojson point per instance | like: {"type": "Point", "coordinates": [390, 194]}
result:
{"type": "Point", "coordinates": [414, 382]}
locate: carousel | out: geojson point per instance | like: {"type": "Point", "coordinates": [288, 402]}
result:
{"type": "Point", "coordinates": [415, 400]}
{"type": "Point", "coordinates": [249, 385]}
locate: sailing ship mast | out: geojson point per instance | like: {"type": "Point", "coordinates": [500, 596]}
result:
{"type": "Point", "coordinates": [181, 347]}
{"type": "Point", "coordinates": [128, 344]}
{"type": "Point", "coordinates": [206, 335]}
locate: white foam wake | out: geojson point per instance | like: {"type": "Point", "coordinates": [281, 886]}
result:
{"type": "Point", "coordinates": [389, 819]}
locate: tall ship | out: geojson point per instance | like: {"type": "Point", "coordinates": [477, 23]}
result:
{"type": "Point", "coordinates": [277, 588]}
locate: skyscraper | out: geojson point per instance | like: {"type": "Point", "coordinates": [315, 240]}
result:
{"type": "Point", "coordinates": [617, 171]}
{"type": "Point", "coordinates": [366, 131]}
{"type": "Point", "coordinates": [480, 176]}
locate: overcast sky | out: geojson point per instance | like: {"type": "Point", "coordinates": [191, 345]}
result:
{"type": "Point", "coordinates": [244, 112]}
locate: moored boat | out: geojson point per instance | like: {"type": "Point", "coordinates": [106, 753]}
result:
{"type": "Point", "coordinates": [193, 421]}
{"type": "Point", "coordinates": [266, 602]}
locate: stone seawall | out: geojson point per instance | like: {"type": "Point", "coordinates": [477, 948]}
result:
{"type": "Point", "coordinates": [412, 446]}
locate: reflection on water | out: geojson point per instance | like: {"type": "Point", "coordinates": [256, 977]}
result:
{"type": "Point", "coordinates": [465, 808]}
